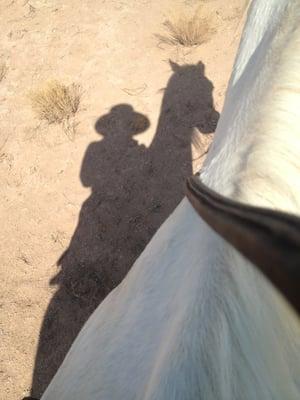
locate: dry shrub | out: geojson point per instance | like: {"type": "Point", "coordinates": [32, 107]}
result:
{"type": "Point", "coordinates": [3, 70]}
{"type": "Point", "coordinates": [187, 30]}
{"type": "Point", "coordinates": [56, 102]}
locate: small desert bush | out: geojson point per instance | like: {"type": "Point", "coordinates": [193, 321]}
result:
{"type": "Point", "coordinates": [55, 102]}
{"type": "Point", "coordinates": [187, 30]}
{"type": "Point", "coordinates": [3, 70]}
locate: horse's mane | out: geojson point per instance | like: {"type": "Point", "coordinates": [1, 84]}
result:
{"type": "Point", "coordinates": [259, 125]}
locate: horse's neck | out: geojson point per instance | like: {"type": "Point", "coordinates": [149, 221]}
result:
{"type": "Point", "coordinates": [255, 154]}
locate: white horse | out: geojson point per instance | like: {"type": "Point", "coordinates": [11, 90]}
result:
{"type": "Point", "coordinates": [194, 319]}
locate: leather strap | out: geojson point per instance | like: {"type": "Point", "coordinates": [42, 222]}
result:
{"type": "Point", "coordinates": [269, 239]}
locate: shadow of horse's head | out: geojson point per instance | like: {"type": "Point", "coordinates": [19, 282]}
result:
{"type": "Point", "coordinates": [188, 97]}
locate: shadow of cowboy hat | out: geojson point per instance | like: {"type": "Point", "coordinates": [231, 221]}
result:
{"type": "Point", "coordinates": [122, 117]}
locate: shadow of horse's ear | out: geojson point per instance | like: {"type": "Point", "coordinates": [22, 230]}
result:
{"type": "Point", "coordinates": [201, 66]}
{"type": "Point", "coordinates": [175, 67]}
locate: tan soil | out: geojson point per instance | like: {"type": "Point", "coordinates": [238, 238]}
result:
{"type": "Point", "coordinates": [77, 213]}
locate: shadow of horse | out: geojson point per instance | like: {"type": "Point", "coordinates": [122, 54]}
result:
{"type": "Point", "coordinates": [133, 190]}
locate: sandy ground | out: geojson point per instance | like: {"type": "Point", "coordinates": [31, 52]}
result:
{"type": "Point", "coordinates": [75, 214]}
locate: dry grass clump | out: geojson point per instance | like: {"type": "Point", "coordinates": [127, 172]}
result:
{"type": "Point", "coordinates": [187, 30]}
{"type": "Point", "coordinates": [56, 102]}
{"type": "Point", "coordinates": [3, 70]}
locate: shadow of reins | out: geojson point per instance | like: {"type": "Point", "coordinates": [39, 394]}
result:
{"type": "Point", "coordinates": [269, 239]}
